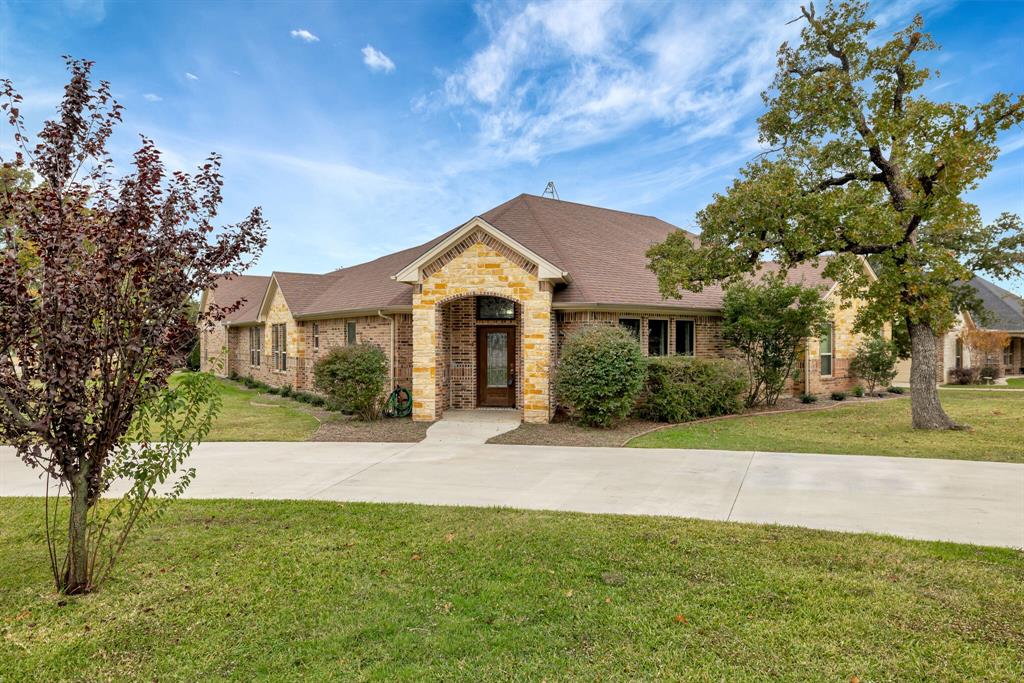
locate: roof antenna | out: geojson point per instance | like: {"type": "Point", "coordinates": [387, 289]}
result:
{"type": "Point", "coordinates": [550, 190]}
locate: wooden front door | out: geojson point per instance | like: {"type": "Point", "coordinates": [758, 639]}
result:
{"type": "Point", "coordinates": [496, 367]}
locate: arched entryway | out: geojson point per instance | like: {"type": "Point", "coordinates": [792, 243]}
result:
{"type": "Point", "coordinates": [479, 352]}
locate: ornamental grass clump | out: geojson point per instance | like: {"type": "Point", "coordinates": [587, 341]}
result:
{"type": "Point", "coordinates": [600, 375]}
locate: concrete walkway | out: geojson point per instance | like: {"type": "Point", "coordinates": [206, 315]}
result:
{"type": "Point", "coordinates": [471, 426]}
{"type": "Point", "coordinates": [967, 502]}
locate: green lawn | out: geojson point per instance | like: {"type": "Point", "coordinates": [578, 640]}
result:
{"type": "Point", "coordinates": [881, 428]}
{"type": "Point", "coordinates": [1011, 383]}
{"type": "Point", "coordinates": [290, 591]}
{"type": "Point", "coordinates": [247, 415]}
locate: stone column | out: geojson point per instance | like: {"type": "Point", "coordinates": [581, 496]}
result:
{"type": "Point", "coordinates": [536, 311]}
{"type": "Point", "coordinates": [424, 354]}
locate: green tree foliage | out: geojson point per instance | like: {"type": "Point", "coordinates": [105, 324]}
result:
{"type": "Point", "coordinates": [875, 362]}
{"type": "Point", "coordinates": [600, 374]}
{"type": "Point", "coordinates": [681, 388]}
{"type": "Point", "coordinates": [863, 165]}
{"type": "Point", "coordinates": [353, 377]}
{"type": "Point", "coordinates": [769, 322]}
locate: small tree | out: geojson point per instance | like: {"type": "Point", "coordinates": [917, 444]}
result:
{"type": "Point", "coordinates": [600, 374]}
{"type": "Point", "coordinates": [93, 274]}
{"type": "Point", "coordinates": [984, 346]}
{"type": "Point", "coordinates": [354, 377]}
{"type": "Point", "coordinates": [769, 322]}
{"type": "Point", "coordinates": [875, 362]}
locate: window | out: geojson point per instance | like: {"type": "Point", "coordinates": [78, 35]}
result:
{"type": "Point", "coordinates": [825, 350]}
{"type": "Point", "coordinates": [684, 337]}
{"type": "Point", "coordinates": [255, 346]}
{"type": "Point", "coordinates": [350, 333]}
{"type": "Point", "coordinates": [279, 346]}
{"type": "Point", "coordinates": [495, 308]}
{"type": "Point", "coordinates": [631, 325]}
{"type": "Point", "coordinates": [316, 337]}
{"type": "Point", "coordinates": [657, 337]}
{"type": "Point", "coordinates": [959, 354]}
{"type": "Point", "coordinates": [1008, 354]}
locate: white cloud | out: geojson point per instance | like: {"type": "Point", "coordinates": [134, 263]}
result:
{"type": "Point", "coordinates": [152, 97]}
{"type": "Point", "coordinates": [377, 60]}
{"type": "Point", "coordinates": [304, 35]}
{"type": "Point", "coordinates": [555, 76]}
{"type": "Point", "coordinates": [191, 76]}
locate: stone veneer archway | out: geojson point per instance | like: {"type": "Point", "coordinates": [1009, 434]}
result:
{"type": "Point", "coordinates": [482, 266]}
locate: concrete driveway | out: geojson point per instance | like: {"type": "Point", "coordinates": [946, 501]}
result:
{"type": "Point", "coordinates": [967, 502]}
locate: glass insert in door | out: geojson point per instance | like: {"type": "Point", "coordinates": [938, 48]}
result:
{"type": "Point", "coordinates": [497, 359]}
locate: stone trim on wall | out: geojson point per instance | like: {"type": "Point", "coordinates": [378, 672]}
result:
{"type": "Point", "coordinates": [481, 237]}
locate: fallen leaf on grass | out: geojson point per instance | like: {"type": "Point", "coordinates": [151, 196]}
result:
{"type": "Point", "coordinates": [416, 557]}
{"type": "Point", "coordinates": [568, 594]}
{"type": "Point", "coordinates": [449, 537]}
{"type": "Point", "coordinates": [680, 619]}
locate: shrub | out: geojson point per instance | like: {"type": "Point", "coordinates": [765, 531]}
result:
{"type": "Point", "coordinates": [680, 388]}
{"type": "Point", "coordinates": [963, 375]}
{"type": "Point", "coordinates": [233, 376]}
{"type": "Point", "coordinates": [875, 362]}
{"type": "Point", "coordinates": [273, 390]}
{"type": "Point", "coordinates": [858, 391]}
{"type": "Point", "coordinates": [838, 395]}
{"type": "Point", "coordinates": [286, 390]}
{"type": "Point", "coordinates": [989, 373]}
{"type": "Point", "coordinates": [808, 398]}
{"type": "Point", "coordinates": [353, 377]}
{"type": "Point", "coordinates": [600, 374]}
{"type": "Point", "coordinates": [896, 390]}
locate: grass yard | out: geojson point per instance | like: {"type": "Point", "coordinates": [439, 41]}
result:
{"type": "Point", "coordinates": [881, 428]}
{"type": "Point", "coordinates": [247, 415]}
{"type": "Point", "coordinates": [290, 591]}
{"type": "Point", "coordinates": [1011, 383]}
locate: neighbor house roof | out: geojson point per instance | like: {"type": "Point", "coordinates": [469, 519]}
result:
{"type": "Point", "coordinates": [249, 289]}
{"type": "Point", "coordinates": [1005, 309]}
{"type": "Point", "coordinates": [603, 251]}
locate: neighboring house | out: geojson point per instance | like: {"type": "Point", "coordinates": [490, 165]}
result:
{"type": "Point", "coordinates": [477, 316]}
{"type": "Point", "coordinates": [1005, 313]}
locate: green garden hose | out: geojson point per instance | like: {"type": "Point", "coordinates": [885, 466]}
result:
{"type": "Point", "coordinates": [399, 403]}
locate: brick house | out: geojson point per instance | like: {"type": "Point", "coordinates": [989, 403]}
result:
{"type": "Point", "coordinates": [478, 315]}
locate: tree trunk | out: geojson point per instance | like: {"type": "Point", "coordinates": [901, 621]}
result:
{"type": "Point", "coordinates": [76, 573]}
{"type": "Point", "coordinates": [925, 407]}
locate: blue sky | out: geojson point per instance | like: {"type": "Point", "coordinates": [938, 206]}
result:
{"type": "Point", "coordinates": [362, 128]}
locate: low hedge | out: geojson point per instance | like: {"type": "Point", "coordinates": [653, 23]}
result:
{"type": "Point", "coordinates": [353, 378]}
{"type": "Point", "coordinates": [681, 388]}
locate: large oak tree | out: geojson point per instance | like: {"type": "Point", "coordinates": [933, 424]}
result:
{"type": "Point", "coordinates": [863, 164]}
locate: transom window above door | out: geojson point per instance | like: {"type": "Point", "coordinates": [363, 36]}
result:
{"type": "Point", "coordinates": [495, 308]}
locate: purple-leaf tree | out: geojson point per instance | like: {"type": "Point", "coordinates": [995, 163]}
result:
{"type": "Point", "coordinates": [96, 272]}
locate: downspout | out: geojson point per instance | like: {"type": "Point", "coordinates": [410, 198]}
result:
{"type": "Point", "coordinates": [807, 367]}
{"type": "Point", "coordinates": [391, 364]}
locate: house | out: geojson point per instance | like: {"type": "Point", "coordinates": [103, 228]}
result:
{"type": "Point", "coordinates": [477, 316]}
{"type": "Point", "coordinates": [1004, 313]}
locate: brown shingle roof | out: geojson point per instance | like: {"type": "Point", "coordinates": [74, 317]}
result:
{"type": "Point", "coordinates": [246, 288]}
{"type": "Point", "coordinates": [603, 250]}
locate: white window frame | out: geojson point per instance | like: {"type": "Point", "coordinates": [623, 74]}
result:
{"type": "Point", "coordinates": [279, 346]}
{"type": "Point", "coordinates": [316, 337]}
{"type": "Point", "coordinates": [831, 352]}
{"type": "Point", "coordinates": [255, 346]}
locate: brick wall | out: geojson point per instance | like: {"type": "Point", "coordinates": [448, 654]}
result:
{"type": "Point", "coordinates": [708, 342]}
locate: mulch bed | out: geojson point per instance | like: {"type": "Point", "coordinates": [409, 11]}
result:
{"type": "Point", "coordinates": [396, 430]}
{"type": "Point", "coordinates": [564, 432]}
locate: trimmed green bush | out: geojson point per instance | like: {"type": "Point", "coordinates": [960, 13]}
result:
{"type": "Point", "coordinates": [808, 398]}
{"type": "Point", "coordinates": [896, 390]}
{"type": "Point", "coordinates": [680, 388]}
{"type": "Point", "coordinates": [875, 362]}
{"type": "Point", "coordinates": [858, 391]}
{"type": "Point", "coordinates": [600, 374]}
{"type": "Point", "coordinates": [838, 395]}
{"type": "Point", "coordinates": [353, 377]}
{"type": "Point", "coordinates": [286, 390]}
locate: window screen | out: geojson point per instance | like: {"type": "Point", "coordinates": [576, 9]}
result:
{"type": "Point", "coordinates": [316, 336]}
{"type": "Point", "coordinates": [350, 333]}
{"type": "Point", "coordinates": [684, 337]}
